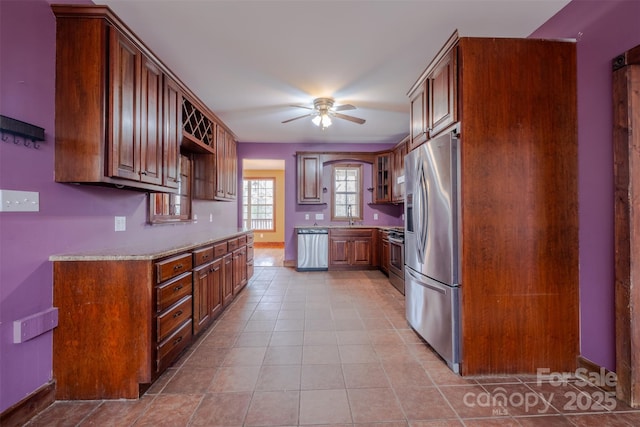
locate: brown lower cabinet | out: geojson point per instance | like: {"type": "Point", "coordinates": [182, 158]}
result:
{"type": "Point", "coordinates": [122, 322]}
{"type": "Point", "coordinates": [353, 248]}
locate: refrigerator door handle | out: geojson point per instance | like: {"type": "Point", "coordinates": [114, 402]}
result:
{"type": "Point", "coordinates": [421, 201]}
{"type": "Point", "coordinates": [419, 281]}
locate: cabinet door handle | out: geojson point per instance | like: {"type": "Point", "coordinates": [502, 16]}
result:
{"type": "Point", "coordinates": [143, 173]}
{"type": "Point", "coordinates": [177, 314]}
{"type": "Point", "coordinates": [177, 288]}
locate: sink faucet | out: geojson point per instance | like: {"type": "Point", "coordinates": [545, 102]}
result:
{"type": "Point", "coordinates": [350, 215]}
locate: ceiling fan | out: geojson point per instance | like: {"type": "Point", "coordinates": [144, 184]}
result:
{"type": "Point", "coordinates": [323, 111]}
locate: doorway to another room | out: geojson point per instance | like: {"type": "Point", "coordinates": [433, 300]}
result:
{"type": "Point", "coordinates": [263, 202]}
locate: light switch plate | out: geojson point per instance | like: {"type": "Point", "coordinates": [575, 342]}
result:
{"type": "Point", "coordinates": [375, 216]}
{"type": "Point", "coordinates": [19, 201]}
{"type": "Point", "coordinates": [306, 216]}
{"type": "Point", "coordinates": [319, 217]}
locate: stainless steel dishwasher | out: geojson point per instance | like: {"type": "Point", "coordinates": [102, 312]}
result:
{"type": "Point", "coordinates": [313, 249]}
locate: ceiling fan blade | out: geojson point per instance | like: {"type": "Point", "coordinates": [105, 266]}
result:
{"type": "Point", "coordinates": [344, 107]}
{"type": "Point", "coordinates": [350, 118]}
{"type": "Point", "coordinates": [296, 118]}
{"type": "Point", "coordinates": [302, 106]}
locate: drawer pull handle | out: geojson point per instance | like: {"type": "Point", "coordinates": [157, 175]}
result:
{"type": "Point", "coordinates": [205, 256]}
{"type": "Point", "coordinates": [177, 340]}
{"type": "Point", "coordinates": [177, 313]}
{"type": "Point", "coordinates": [177, 288]}
{"type": "Point", "coordinates": [177, 267]}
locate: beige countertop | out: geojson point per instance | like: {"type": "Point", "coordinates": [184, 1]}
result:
{"type": "Point", "coordinates": [150, 250]}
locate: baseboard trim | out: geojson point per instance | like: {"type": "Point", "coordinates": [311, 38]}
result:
{"type": "Point", "coordinates": [23, 411]}
{"type": "Point", "coordinates": [278, 245]}
{"type": "Point", "coordinates": [289, 263]}
{"type": "Point", "coordinates": [595, 372]}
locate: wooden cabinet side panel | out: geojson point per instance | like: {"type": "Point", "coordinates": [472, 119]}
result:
{"type": "Point", "coordinates": [102, 345]}
{"type": "Point", "coordinates": [80, 102]}
{"type": "Point", "coordinates": [519, 217]}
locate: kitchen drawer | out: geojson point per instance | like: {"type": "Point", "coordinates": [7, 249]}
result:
{"type": "Point", "coordinates": [169, 320]}
{"type": "Point", "coordinates": [171, 347]}
{"type": "Point", "coordinates": [219, 249]}
{"type": "Point", "coordinates": [173, 290]}
{"type": "Point", "coordinates": [242, 240]}
{"type": "Point", "coordinates": [172, 267]}
{"type": "Point", "coordinates": [351, 232]}
{"type": "Point", "coordinates": [232, 245]}
{"type": "Point", "coordinates": [249, 238]}
{"type": "Point", "coordinates": [250, 252]}
{"type": "Point", "coordinates": [203, 255]}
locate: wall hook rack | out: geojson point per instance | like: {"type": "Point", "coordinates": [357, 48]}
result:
{"type": "Point", "coordinates": [20, 132]}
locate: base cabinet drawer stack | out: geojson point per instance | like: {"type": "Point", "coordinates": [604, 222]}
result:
{"type": "Point", "coordinates": [173, 308]}
{"type": "Point", "coordinates": [123, 320]}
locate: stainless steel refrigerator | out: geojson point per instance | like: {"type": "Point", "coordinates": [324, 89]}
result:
{"type": "Point", "coordinates": [432, 287]}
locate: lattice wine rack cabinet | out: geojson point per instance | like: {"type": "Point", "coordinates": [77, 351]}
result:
{"type": "Point", "coordinates": [197, 128]}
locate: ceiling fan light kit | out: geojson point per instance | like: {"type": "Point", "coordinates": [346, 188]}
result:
{"type": "Point", "coordinates": [323, 111]}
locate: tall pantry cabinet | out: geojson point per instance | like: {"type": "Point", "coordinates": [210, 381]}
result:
{"type": "Point", "coordinates": [514, 103]}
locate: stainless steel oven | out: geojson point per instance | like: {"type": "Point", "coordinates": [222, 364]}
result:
{"type": "Point", "coordinates": [396, 258]}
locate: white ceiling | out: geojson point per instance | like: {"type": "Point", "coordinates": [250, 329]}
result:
{"type": "Point", "coordinates": [249, 60]}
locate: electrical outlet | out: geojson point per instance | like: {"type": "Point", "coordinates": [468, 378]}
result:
{"type": "Point", "coordinates": [306, 216]}
{"type": "Point", "coordinates": [319, 217]}
{"type": "Point", "coordinates": [120, 223]}
{"type": "Point", "coordinates": [210, 217]}
{"type": "Point", "coordinates": [375, 216]}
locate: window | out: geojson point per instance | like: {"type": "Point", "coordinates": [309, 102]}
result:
{"type": "Point", "coordinates": [169, 207]}
{"type": "Point", "coordinates": [347, 192]}
{"type": "Point", "coordinates": [258, 204]}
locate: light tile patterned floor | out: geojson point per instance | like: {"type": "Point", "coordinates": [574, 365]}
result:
{"type": "Point", "coordinates": [298, 349]}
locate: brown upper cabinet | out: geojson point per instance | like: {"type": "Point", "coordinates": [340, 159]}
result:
{"type": "Point", "coordinates": [441, 101]}
{"type": "Point", "coordinates": [433, 98]}
{"type": "Point", "coordinates": [309, 178]}
{"type": "Point", "coordinates": [122, 117]}
{"type": "Point", "coordinates": [418, 115]}
{"type": "Point", "coordinates": [382, 170]}
{"type": "Point", "coordinates": [173, 134]}
{"type": "Point", "coordinates": [397, 171]}
{"type": "Point", "coordinates": [226, 167]}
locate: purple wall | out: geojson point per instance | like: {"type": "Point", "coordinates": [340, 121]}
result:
{"type": "Point", "coordinates": [603, 30]}
{"type": "Point", "coordinates": [71, 217]}
{"type": "Point", "coordinates": [294, 213]}
{"type": "Point", "coordinates": [74, 218]}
